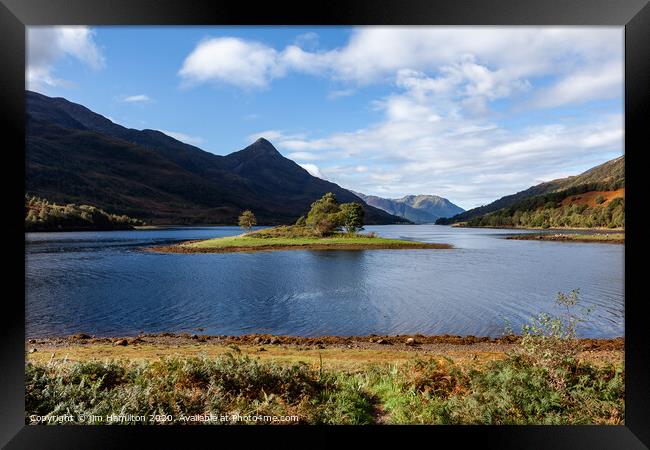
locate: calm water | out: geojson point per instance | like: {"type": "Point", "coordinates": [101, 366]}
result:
{"type": "Point", "coordinates": [102, 283]}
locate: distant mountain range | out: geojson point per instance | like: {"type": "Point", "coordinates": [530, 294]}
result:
{"type": "Point", "coordinates": [77, 156]}
{"type": "Point", "coordinates": [609, 175]}
{"type": "Point", "coordinates": [416, 208]}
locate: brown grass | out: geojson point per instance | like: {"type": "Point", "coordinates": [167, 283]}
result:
{"type": "Point", "coordinates": [589, 198]}
{"type": "Point", "coordinates": [352, 356]}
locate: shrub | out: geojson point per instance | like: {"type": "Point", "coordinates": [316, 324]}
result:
{"type": "Point", "coordinates": [549, 342]}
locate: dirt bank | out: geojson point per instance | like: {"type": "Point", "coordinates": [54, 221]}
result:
{"type": "Point", "coordinates": [341, 352]}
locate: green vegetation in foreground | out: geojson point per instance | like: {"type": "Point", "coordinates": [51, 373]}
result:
{"type": "Point", "coordinates": [542, 382]}
{"type": "Point", "coordinates": [41, 215]}
{"type": "Point", "coordinates": [596, 237]}
{"type": "Point", "coordinates": [328, 224]}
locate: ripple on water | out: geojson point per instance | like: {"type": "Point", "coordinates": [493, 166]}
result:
{"type": "Point", "coordinates": [102, 283]}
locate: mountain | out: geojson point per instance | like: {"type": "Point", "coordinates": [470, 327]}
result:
{"type": "Point", "coordinates": [74, 155]}
{"type": "Point", "coordinates": [416, 208]}
{"type": "Point", "coordinates": [610, 174]}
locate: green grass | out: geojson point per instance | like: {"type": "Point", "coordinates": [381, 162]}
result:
{"type": "Point", "coordinates": [246, 241]}
{"type": "Point", "coordinates": [514, 390]}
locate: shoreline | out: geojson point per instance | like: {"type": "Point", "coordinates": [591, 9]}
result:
{"type": "Point", "coordinates": [350, 354]}
{"type": "Point", "coordinates": [588, 238]}
{"type": "Point", "coordinates": [408, 341]}
{"type": "Point", "coordinates": [594, 230]}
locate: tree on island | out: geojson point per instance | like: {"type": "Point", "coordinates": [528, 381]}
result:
{"type": "Point", "coordinates": [323, 216]}
{"type": "Point", "coordinates": [351, 217]}
{"type": "Point", "coordinates": [247, 220]}
{"type": "Point", "coordinates": [326, 216]}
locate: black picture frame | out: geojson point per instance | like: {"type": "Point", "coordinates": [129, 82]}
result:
{"type": "Point", "coordinates": [15, 15]}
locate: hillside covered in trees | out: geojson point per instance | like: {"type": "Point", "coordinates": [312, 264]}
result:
{"type": "Point", "coordinates": [593, 199]}
{"type": "Point", "coordinates": [41, 215]}
{"type": "Point", "coordinates": [560, 210]}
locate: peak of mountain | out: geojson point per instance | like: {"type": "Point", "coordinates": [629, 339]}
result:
{"type": "Point", "coordinates": [260, 148]}
{"type": "Point", "coordinates": [263, 143]}
{"type": "Point", "coordinates": [612, 171]}
{"type": "Point", "coordinates": [416, 208]}
{"type": "Point", "coordinates": [75, 155]}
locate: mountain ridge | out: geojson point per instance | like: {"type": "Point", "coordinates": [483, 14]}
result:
{"type": "Point", "coordinates": [75, 155]}
{"type": "Point", "coordinates": [418, 208]}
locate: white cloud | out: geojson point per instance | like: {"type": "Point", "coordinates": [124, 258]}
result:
{"type": "Point", "coordinates": [140, 98]}
{"type": "Point", "coordinates": [192, 140]}
{"type": "Point", "coordinates": [313, 170]}
{"type": "Point", "coordinates": [47, 45]}
{"type": "Point", "coordinates": [582, 86]}
{"type": "Point", "coordinates": [479, 63]}
{"type": "Point", "coordinates": [245, 64]}
{"type": "Point", "coordinates": [375, 52]}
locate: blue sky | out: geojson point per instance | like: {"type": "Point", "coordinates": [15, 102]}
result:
{"type": "Point", "coordinates": [467, 113]}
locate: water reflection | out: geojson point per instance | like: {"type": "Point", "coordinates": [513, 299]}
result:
{"type": "Point", "coordinates": [102, 283]}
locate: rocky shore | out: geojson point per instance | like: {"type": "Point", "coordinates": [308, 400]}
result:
{"type": "Point", "coordinates": [398, 342]}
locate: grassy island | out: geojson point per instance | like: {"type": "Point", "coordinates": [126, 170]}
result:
{"type": "Point", "coordinates": [328, 226]}
{"type": "Point", "coordinates": [291, 238]}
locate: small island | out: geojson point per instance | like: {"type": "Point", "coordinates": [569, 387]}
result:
{"type": "Point", "coordinates": [605, 238]}
{"type": "Point", "coordinates": [328, 226]}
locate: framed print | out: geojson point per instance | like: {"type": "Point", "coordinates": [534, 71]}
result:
{"type": "Point", "coordinates": [366, 217]}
